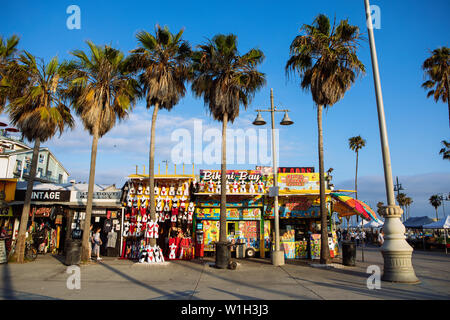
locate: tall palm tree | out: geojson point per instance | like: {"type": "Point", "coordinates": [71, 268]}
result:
{"type": "Point", "coordinates": [445, 151]}
{"type": "Point", "coordinates": [325, 58]}
{"type": "Point", "coordinates": [356, 144]}
{"type": "Point", "coordinates": [8, 52]}
{"type": "Point", "coordinates": [162, 61]}
{"type": "Point", "coordinates": [39, 112]}
{"type": "Point", "coordinates": [101, 89]}
{"type": "Point", "coordinates": [226, 80]}
{"type": "Point", "coordinates": [435, 201]}
{"type": "Point", "coordinates": [437, 71]}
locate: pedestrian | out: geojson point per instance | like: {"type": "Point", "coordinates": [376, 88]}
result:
{"type": "Point", "coordinates": [357, 236]}
{"type": "Point", "coordinates": [97, 243]}
{"type": "Point", "coordinates": [381, 238]}
{"type": "Point", "coordinates": [363, 237]}
{"type": "Point", "coordinates": [91, 242]}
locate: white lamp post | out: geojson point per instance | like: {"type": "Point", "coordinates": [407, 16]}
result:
{"type": "Point", "coordinates": [396, 251]}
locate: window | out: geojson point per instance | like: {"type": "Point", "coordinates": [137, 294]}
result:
{"type": "Point", "coordinates": [19, 165]}
{"type": "Point", "coordinates": [49, 173]}
{"type": "Point", "coordinates": [41, 158]}
{"type": "Point", "coordinates": [60, 178]}
{"type": "Point", "coordinates": [39, 172]}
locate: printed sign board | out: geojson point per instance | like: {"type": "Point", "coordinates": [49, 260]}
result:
{"type": "Point", "coordinates": [3, 258]}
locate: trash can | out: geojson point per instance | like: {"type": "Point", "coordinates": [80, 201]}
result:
{"type": "Point", "coordinates": [73, 252]}
{"type": "Point", "coordinates": [223, 255]}
{"type": "Point", "coordinates": [348, 253]}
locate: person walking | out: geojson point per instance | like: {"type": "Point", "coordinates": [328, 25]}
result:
{"type": "Point", "coordinates": [381, 238]}
{"type": "Point", "coordinates": [357, 236]}
{"type": "Point", "coordinates": [97, 243]}
{"type": "Point", "coordinates": [91, 242]}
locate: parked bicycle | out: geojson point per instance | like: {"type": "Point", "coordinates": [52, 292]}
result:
{"type": "Point", "coordinates": [30, 251]}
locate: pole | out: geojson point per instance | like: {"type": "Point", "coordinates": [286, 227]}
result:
{"type": "Point", "coordinates": [277, 255]}
{"type": "Point", "coordinates": [397, 253]}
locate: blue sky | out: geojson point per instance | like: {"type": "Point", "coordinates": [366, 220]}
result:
{"type": "Point", "coordinates": [409, 30]}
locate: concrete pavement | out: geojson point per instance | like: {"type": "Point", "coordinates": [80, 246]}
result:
{"type": "Point", "coordinates": [254, 279]}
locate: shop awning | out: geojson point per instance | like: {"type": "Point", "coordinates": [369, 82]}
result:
{"type": "Point", "coordinates": [348, 206]}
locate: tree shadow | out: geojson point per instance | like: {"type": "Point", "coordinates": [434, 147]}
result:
{"type": "Point", "coordinates": [8, 291]}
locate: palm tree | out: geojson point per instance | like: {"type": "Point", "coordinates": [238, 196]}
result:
{"type": "Point", "coordinates": [225, 79]}
{"type": "Point", "coordinates": [325, 58]}
{"type": "Point", "coordinates": [401, 200]}
{"type": "Point", "coordinates": [435, 201]}
{"type": "Point", "coordinates": [437, 70]}
{"type": "Point", "coordinates": [101, 89]}
{"type": "Point", "coordinates": [8, 51]}
{"type": "Point", "coordinates": [39, 113]}
{"type": "Point", "coordinates": [355, 144]}
{"type": "Point", "coordinates": [408, 202]}
{"type": "Point", "coordinates": [445, 151]}
{"type": "Point", "coordinates": [163, 62]}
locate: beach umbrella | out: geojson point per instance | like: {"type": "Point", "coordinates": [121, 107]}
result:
{"type": "Point", "coordinates": [347, 206]}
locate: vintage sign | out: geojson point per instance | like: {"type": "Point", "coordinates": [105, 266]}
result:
{"type": "Point", "coordinates": [295, 169]}
{"type": "Point", "coordinates": [45, 195]}
{"type": "Point", "coordinates": [256, 201]}
{"type": "Point", "coordinates": [41, 212]}
{"type": "Point", "coordinates": [6, 212]}
{"type": "Point", "coordinates": [293, 182]}
{"type": "Point", "coordinates": [115, 195]}
{"type": "Point", "coordinates": [232, 213]}
{"type": "Point", "coordinates": [232, 175]}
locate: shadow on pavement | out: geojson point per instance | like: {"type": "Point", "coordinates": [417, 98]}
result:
{"type": "Point", "coordinates": [8, 291]}
{"type": "Point", "coordinates": [164, 294]}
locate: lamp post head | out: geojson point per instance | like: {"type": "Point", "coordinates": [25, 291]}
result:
{"type": "Point", "coordinates": [286, 120]}
{"type": "Point", "coordinates": [259, 121]}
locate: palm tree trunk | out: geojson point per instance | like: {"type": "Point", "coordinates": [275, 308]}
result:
{"type": "Point", "coordinates": [151, 170]}
{"type": "Point", "coordinates": [87, 222]}
{"type": "Point", "coordinates": [223, 181]}
{"type": "Point", "coordinates": [356, 176]}
{"type": "Point", "coordinates": [324, 250]}
{"type": "Point", "coordinates": [437, 216]}
{"type": "Point", "coordinates": [20, 246]}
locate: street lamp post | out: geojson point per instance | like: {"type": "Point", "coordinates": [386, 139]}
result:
{"type": "Point", "coordinates": [277, 254]}
{"type": "Point", "coordinates": [396, 251]}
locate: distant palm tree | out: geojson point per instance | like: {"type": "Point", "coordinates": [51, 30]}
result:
{"type": "Point", "coordinates": [401, 200]}
{"type": "Point", "coordinates": [437, 70]}
{"type": "Point", "coordinates": [355, 144]}
{"type": "Point", "coordinates": [435, 201]}
{"type": "Point", "coordinates": [225, 79]}
{"type": "Point", "coordinates": [445, 151]}
{"type": "Point", "coordinates": [325, 58]}
{"type": "Point", "coordinates": [408, 202]}
{"type": "Point", "coordinates": [101, 89]}
{"type": "Point", "coordinates": [39, 112]}
{"type": "Point", "coordinates": [162, 61]}
{"type": "Point", "coordinates": [8, 52]}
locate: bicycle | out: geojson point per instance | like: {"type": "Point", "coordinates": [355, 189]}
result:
{"type": "Point", "coordinates": [30, 251]}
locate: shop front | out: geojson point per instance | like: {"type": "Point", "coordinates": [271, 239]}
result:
{"type": "Point", "coordinates": [173, 227]}
{"type": "Point", "coordinates": [48, 216]}
{"type": "Point", "coordinates": [106, 215]}
{"type": "Point", "coordinates": [245, 203]}
{"type": "Point", "coordinates": [299, 212]}
{"type": "Point", "coordinates": [9, 223]}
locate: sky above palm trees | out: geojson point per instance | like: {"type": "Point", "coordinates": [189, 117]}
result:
{"type": "Point", "coordinates": [416, 125]}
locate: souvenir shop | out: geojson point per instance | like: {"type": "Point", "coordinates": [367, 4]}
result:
{"type": "Point", "coordinates": [299, 212]}
{"type": "Point", "coordinates": [48, 212]}
{"type": "Point", "coordinates": [172, 229]}
{"type": "Point", "coordinates": [245, 204]}
{"type": "Point", "coordinates": [9, 223]}
{"type": "Point", "coordinates": [106, 215]}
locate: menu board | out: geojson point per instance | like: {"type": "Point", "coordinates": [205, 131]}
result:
{"type": "Point", "coordinates": [289, 249]}
{"type": "Point", "coordinates": [315, 246]}
{"type": "Point", "coordinates": [301, 249]}
{"type": "Point", "coordinates": [210, 233]}
{"type": "Point", "coordinates": [3, 258]}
